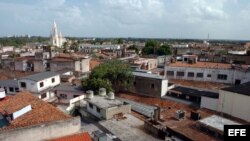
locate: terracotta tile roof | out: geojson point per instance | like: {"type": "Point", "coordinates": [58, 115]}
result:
{"type": "Point", "coordinates": [76, 137]}
{"type": "Point", "coordinates": [41, 111]}
{"type": "Point", "coordinates": [94, 63]}
{"type": "Point", "coordinates": [25, 58]}
{"type": "Point", "coordinates": [62, 59]}
{"type": "Point", "coordinates": [202, 65]}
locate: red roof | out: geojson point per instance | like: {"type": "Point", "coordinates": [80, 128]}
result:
{"type": "Point", "coordinates": [76, 137]}
{"type": "Point", "coordinates": [41, 112]}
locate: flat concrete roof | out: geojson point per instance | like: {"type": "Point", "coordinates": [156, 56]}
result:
{"type": "Point", "coordinates": [128, 129]}
{"type": "Point", "coordinates": [104, 102]}
{"type": "Point", "coordinates": [148, 75]}
{"type": "Point", "coordinates": [217, 122]}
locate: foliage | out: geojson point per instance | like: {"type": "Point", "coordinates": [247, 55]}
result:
{"type": "Point", "coordinates": [96, 83]}
{"type": "Point", "coordinates": [120, 41]}
{"type": "Point", "coordinates": [133, 47]}
{"type": "Point", "coordinates": [164, 50]}
{"type": "Point", "coordinates": [153, 47]}
{"type": "Point", "coordinates": [19, 41]}
{"type": "Point", "coordinates": [152, 43]}
{"type": "Point", "coordinates": [113, 72]}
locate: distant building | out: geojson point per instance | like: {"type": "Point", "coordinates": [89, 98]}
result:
{"type": "Point", "coordinates": [7, 49]}
{"type": "Point", "coordinates": [56, 38]}
{"type": "Point", "coordinates": [235, 101]}
{"type": "Point", "coordinates": [73, 63]}
{"type": "Point", "coordinates": [89, 48]}
{"type": "Point", "coordinates": [190, 69]}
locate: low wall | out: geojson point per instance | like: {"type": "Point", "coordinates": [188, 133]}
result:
{"type": "Point", "coordinates": [43, 131]}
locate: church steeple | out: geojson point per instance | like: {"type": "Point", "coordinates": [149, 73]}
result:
{"type": "Point", "coordinates": [56, 37]}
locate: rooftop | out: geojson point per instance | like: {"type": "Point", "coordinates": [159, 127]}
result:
{"type": "Point", "coordinates": [208, 65]}
{"type": "Point", "coordinates": [195, 92]}
{"type": "Point", "coordinates": [69, 87]}
{"type": "Point", "coordinates": [12, 83]}
{"type": "Point", "coordinates": [41, 111]}
{"type": "Point", "coordinates": [104, 102]}
{"type": "Point", "coordinates": [240, 89]}
{"type": "Point", "coordinates": [40, 76]}
{"type": "Point", "coordinates": [76, 137]}
{"type": "Point", "coordinates": [198, 84]}
{"type": "Point", "coordinates": [148, 75]}
{"type": "Point", "coordinates": [217, 122]}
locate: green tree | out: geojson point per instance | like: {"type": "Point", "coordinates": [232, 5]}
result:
{"type": "Point", "coordinates": [151, 47]}
{"type": "Point", "coordinates": [65, 47]}
{"type": "Point", "coordinates": [113, 72]}
{"type": "Point", "coordinates": [133, 47]}
{"type": "Point", "coordinates": [164, 50]}
{"type": "Point", "coordinates": [120, 41]}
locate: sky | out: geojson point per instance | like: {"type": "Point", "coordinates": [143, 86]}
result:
{"type": "Point", "coordinates": [190, 19]}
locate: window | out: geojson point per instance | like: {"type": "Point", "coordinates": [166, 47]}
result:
{"type": "Point", "coordinates": [199, 75]}
{"type": "Point", "coordinates": [63, 96]}
{"type": "Point", "coordinates": [180, 73]}
{"type": "Point", "coordinates": [170, 73]}
{"type": "Point", "coordinates": [190, 74]}
{"type": "Point", "coordinates": [16, 89]}
{"type": "Point", "coordinates": [41, 84]}
{"type": "Point", "coordinates": [91, 105]}
{"type": "Point", "coordinates": [75, 96]}
{"type": "Point", "coordinates": [11, 89]}
{"type": "Point", "coordinates": [53, 80]}
{"type": "Point", "coordinates": [209, 75]}
{"type": "Point", "coordinates": [23, 84]}
{"type": "Point", "coordinates": [134, 83]}
{"type": "Point", "coordinates": [152, 85]}
{"type": "Point", "coordinates": [44, 95]}
{"type": "Point", "coordinates": [222, 76]}
{"type": "Point", "coordinates": [98, 109]}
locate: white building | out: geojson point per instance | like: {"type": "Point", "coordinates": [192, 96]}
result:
{"type": "Point", "coordinates": [106, 107]}
{"type": "Point", "coordinates": [56, 38]}
{"type": "Point", "coordinates": [40, 84]}
{"type": "Point", "coordinates": [149, 84]}
{"type": "Point", "coordinates": [235, 101]}
{"type": "Point", "coordinates": [207, 71]}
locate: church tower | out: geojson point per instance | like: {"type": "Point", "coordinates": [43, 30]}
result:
{"type": "Point", "coordinates": [56, 39]}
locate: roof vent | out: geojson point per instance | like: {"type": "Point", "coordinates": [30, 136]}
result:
{"type": "Point", "coordinates": [111, 95]}
{"type": "Point", "coordinates": [2, 93]}
{"type": "Point", "coordinates": [102, 92]}
{"type": "Point", "coordinates": [90, 94]}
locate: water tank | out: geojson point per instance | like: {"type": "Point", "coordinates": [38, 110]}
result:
{"type": "Point", "coordinates": [2, 93]}
{"type": "Point", "coordinates": [102, 92]}
{"type": "Point", "coordinates": [111, 95]}
{"type": "Point", "coordinates": [90, 94]}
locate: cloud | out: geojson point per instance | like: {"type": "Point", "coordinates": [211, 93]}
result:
{"type": "Point", "coordinates": [128, 18]}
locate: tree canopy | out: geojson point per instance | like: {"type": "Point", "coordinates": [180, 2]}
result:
{"type": "Point", "coordinates": [154, 47]}
{"type": "Point", "coordinates": [111, 75]}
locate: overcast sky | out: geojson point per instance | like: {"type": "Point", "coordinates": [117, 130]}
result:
{"type": "Point", "coordinates": [222, 19]}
